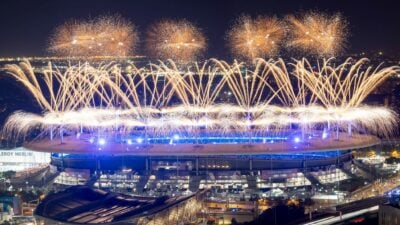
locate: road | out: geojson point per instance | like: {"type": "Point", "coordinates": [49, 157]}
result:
{"type": "Point", "coordinates": [336, 219]}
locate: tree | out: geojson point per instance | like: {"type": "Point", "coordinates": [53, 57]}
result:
{"type": "Point", "coordinates": [234, 221]}
{"type": "Point", "coordinates": [8, 174]}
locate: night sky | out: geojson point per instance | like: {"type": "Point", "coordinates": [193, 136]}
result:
{"type": "Point", "coordinates": [26, 25]}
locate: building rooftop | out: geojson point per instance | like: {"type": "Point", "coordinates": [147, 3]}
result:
{"type": "Point", "coordinates": [84, 205]}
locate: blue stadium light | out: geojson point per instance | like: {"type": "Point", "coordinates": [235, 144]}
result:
{"type": "Point", "coordinates": [297, 140]}
{"type": "Point", "coordinates": [129, 141]}
{"type": "Point", "coordinates": [101, 141]}
{"type": "Point", "coordinates": [176, 137]}
{"type": "Point", "coordinates": [139, 140]}
{"type": "Point", "coordinates": [324, 134]}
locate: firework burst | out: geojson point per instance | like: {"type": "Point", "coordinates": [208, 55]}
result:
{"type": "Point", "coordinates": [256, 38]}
{"type": "Point", "coordinates": [103, 36]}
{"type": "Point", "coordinates": [317, 33]}
{"type": "Point", "coordinates": [179, 40]}
{"type": "Point", "coordinates": [266, 96]}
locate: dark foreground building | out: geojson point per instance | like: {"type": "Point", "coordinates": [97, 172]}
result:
{"type": "Point", "coordinates": [83, 205]}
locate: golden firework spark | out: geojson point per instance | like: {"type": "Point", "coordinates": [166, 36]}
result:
{"type": "Point", "coordinates": [317, 33]}
{"type": "Point", "coordinates": [256, 38]}
{"type": "Point", "coordinates": [103, 36]}
{"type": "Point", "coordinates": [178, 40]}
